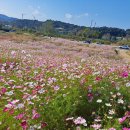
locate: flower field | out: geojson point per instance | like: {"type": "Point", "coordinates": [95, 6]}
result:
{"type": "Point", "coordinates": [54, 84]}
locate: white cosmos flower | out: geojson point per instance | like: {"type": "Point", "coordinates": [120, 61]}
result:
{"type": "Point", "coordinates": [118, 94]}
{"type": "Point", "coordinates": [23, 51]}
{"type": "Point", "coordinates": [96, 73]}
{"type": "Point", "coordinates": [3, 71]}
{"type": "Point", "coordinates": [128, 84]}
{"type": "Point", "coordinates": [112, 112]}
{"type": "Point", "coordinates": [13, 53]}
{"type": "Point", "coordinates": [9, 93]}
{"type": "Point", "coordinates": [31, 128]}
{"type": "Point", "coordinates": [83, 60]}
{"type": "Point", "coordinates": [4, 64]}
{"type": "Point", "coordinates": [99, 101]}
{"type": "Point", "coordinates": [41, 91]}
{"type": "Point", "coordinates": [64, 65]}
{"type": "Point", "coordinates": [109, 117]}
{"type": "Point", "coordinates": [108, 104]}
{"type": "Point", "coordinates": [70, 118]}
{"type": "Point", "coordinates": [14, 101]}
{"type": "Point", "coordinates": [12, 80]}
{"type": "Point", "coordinates": [21, 105]}
{"type": "Point", "coordinates": [9, 106]}
{"type": "Point", "coordinates": [120, 101]}
{"type": "Point", "coordinates": [80, 121]}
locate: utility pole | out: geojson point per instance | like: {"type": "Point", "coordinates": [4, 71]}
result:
{"type": "Point", "coordinates": [34, 18]}
{"type": "Point", "coordinates": [23, 18]}
{"type": "Point", "coordinates": [92, 25]}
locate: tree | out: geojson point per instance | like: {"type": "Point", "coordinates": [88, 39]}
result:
{"type": "Point", "coordinates": [48, 28]}
{"type": "Point", "coordinates": [0, 26]}
{"type": "Point", "coordinates": [113, 38]}
{"type": "Point", "coordinates": [106, 36]}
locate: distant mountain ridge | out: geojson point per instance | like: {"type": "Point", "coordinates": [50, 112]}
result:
{"type": "Point", "coordinates": [5, 18]}
{"type": "Point", "coordinates": [62, 29]}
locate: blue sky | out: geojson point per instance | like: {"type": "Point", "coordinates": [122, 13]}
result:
{"type": "Point", "coordinates": [114, 13]}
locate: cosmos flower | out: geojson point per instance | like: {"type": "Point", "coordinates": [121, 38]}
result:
{"type": "Point", "coordinates": [71, 118]}
{"type": "Point", "coordinates": [24, 124]}
{"type": "Point", "coordinates": [108, 104]}
{"type": "Point", "coordinates": [56, 88]}
{"type": "Point", "coordinates": [35, 114]}
{"type": "Point", "coordinates": [80, 121]}
{"type": "Point", "coordinates": [125, 74]}
{"type": "Point", "coordinates": [111, 129]}
{"type": "Point", "coordinates": [99, 101]}
{"type": "Point", "coordinates": [112, 112]}
{"type": "Point", "coordinates": [20, 116]}
{"type": "Point", "coordinates": [9, 93]}
{"type": "Point", "coordinates": [96, 126]}
{"type": "Point", "coordinates": [121, 120]}
{"type": "Point", "coordinates": [120, 101]}
{"type": "Point", "coordinates": [126, 128]}
{"type": "Point", "coordinates": [128, 84]}
{"type": "Point", "coordinates": [3, 90]}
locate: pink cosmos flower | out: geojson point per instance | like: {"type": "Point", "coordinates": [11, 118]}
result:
{"type": "Point", "coordinates": [24, 124]}
{"type": "Point", "coordinates": [125, 74]}
{"type": "Point", "coordinates": [8, 128]}
{"type": "Point", "coordinates": [43, 124]}
{"type": "Point", "coordinates": [11, 111]}
{"type": "Point", "coordinates": [14, 101]}
{"type": "Point", "coordinates": [111, 129]}
{"type": "Point", "coordinates": [126, 128]}
{"type": "Point", "coordinates": [34, 92]}
{"type": "Point", "coordinates": [3, 90]}
{"type": "Point", "coordinates": [38, 87]}
{"type": "Point", "coordinates": [35, 114]}
{"type": "Point", "coordinates": [79, 121]}
{"type": "Point", "coordinates": [128, 114]}
{"type": "Point", "coordinates": [121, 120]}
{"type": "Point", "coordinates": [13, 53]}
{"type": "Point", "coordinates": [20, 116]}
{"type": "Point", "coordinates": [56, 88]}
{"type": "Point", "coordinates": [90, 97]}
{"type": "Point", "coordinates": [96, 126]}
{"type": "Point", "coordinates": [5, 109]}
{"type": "Point", "coordinates": [98, 78]}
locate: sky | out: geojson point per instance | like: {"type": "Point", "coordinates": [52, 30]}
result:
{"type": "Point", "coordinates": [111, 13]}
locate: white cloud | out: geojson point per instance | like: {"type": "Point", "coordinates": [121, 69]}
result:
{"type": "Point", "coordinates": [2, 11]}
{"type": "Point", "coordinates": [30, 7]}
{"type": "Point", "coordinates": [82, 15]}
{"type": "Point", "coordinates": [68, 16]}
{"type": "Point", "coordinates": [36, 12]}
{"type": "Point", "coordinates": [86, 14]}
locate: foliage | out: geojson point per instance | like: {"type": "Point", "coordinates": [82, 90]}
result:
{"type": "Point", "coordinates": [65, 30]}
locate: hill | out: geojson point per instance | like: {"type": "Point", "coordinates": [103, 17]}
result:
{"type": "Point", "coordinates": [4, 18]}
{"type": "Point", "coordinates": [66, 30]}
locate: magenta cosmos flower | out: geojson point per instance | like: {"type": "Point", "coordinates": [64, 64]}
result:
{"type": "Point", "coordinates": [125, 74]}
{"type": "Point", "coordinates": [126, 128]}
{"type": "Point", "coordinates": [24, 124]}
{"type": "Point", "coordinates": [121, 120]}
